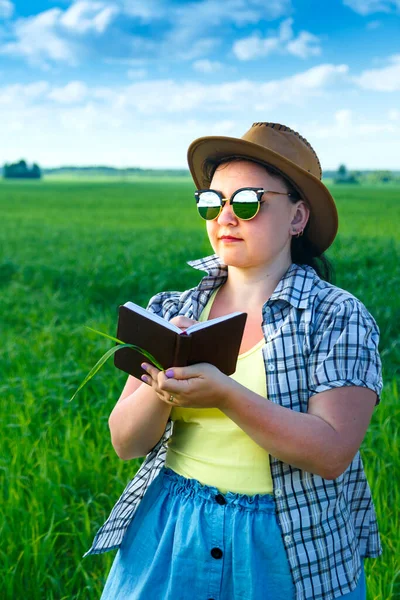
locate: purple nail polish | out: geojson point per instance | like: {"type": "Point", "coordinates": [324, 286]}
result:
{"type": "Point", "coordinates": [144, 378]}
{"type": "Point", "coordinates": [169, 373]}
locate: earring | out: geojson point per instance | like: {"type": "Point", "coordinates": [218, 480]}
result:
{"type": "Point", "coordinates": [299, 234]}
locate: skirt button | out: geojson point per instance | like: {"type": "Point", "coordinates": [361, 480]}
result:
{"type": "Point", "coordinates": [216, 553]}
{"type": "Point", "coordinates": [220, 499]}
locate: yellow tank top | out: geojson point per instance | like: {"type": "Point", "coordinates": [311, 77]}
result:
{"type": "Point", "coordinates": [208, 446]}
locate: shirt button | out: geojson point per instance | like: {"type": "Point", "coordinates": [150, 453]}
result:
{"type": "Point", "coordinates": [216, 552]}
{"type": "Point", "coordinates": [288, 539]}
{"type": "Point", "coordinates": [271, 367]}
{"type": "Point", "coordinates": [278, 492]}
{"type": "Point", "coordinates": [220, 499]}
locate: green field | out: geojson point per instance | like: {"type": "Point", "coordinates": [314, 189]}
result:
{"type": "Point", "coordinates": [70, 253]}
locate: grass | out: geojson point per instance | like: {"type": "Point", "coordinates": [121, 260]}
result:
{"type": "Point", "coordinates": [70, 253]}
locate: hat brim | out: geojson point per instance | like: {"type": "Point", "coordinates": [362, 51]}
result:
{"type": "Point", "coordinates": [323, 220]}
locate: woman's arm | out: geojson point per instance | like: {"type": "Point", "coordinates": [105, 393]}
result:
{"type": "Point", "coordinates": [322, 441]}
{"type": "Point", "coordinates": [138, 420]}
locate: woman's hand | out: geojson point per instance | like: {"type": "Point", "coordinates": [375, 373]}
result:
{"type": "Point", "coordinates": [197, 386]}
{"type": "Point", "coordinates": [182, 322]}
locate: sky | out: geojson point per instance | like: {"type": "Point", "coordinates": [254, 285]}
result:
{"type": "Point", "coordinates": [134, 82]}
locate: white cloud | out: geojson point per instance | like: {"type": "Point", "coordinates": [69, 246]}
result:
{"type": "Point", "coordinates": [196, 28]}
{"type": "Point", "coordinates": [318, 77]}
{"type": "Point", "coordinates": [72, 93]}
{"type": "Point", "coordinates": [212, 13]}
{"type": "Point", "coordinates": [207, 66]}
{"type": "Point", "coordinates": [6, 9]}
{"type": "Point", "coordinates": [386, 79]}
{"type": "Point", "coordinates": [23, 95]}
{"type": "Point", "coordinates": [145, 10]}
{"type": "Point", "coordinates": [55, 35]}
{"type": "Point", "coordinates": [37, 39]}
{"type": "Point", "coordinates": [303, 46]}
{"type": "Point", "coordinates": [170, 98]}
{"type": "Point", "coordinates": [190, 50]}
{"type": "Point", "coordinates": [122, 126]}
{"type": "Point", "coordinates": [254, 47]}
{"type": "Point", "coordinates": [367, 7]}
{"type": "Point", "coordinates": [109, 29]}
{"type": "Point", "coordinates": [84, 16]}
{"type": "Point", "coordinates": [348, 126]}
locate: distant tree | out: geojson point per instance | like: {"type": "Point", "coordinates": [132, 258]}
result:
{"type": "Point", "coordinates": [20, 170]}
{"type": "Point", "coordinates": [384, 176]}
{"type": "Point", "coordinates": [36, 173]}
{"type": "Point", "coordinates": [374, 177]}
{"type": "Point", "coordinates": [343, 176]}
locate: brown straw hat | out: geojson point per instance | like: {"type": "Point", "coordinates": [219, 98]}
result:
{"type": "Point", "coordinates": [287, 152]}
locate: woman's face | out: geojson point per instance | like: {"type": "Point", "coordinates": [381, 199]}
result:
{"type": "Point", "coordinates": [265, 239]}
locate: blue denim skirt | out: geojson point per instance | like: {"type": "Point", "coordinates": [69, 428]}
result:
{"type": "Point", "coordinates": [188, 541]}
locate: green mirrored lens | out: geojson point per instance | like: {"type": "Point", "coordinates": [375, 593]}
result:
{"type": "Point", "coordinates": [209, 205]}
{"type": "Point", "coordinates": [208, 212]}
{"type": "Point", "coordinates": [245, 210]}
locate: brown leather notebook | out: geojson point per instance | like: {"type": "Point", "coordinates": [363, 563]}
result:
{"type": "Point", "coordinates": [216, 341]}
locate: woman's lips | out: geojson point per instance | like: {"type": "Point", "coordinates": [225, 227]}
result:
{"type": "Point", "coordinates": [228, 238]}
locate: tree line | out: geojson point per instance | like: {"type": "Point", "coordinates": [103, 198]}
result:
{"type": "Point", "coordinates": [20, 170]}
{"type": "Point", "coordinates": [342, 175]}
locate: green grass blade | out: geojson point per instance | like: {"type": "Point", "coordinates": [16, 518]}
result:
{"type": "Point", "coordinates": [109, 353]}
{"type": "Point", "coordinates": [149, 356]}
{"type": "Point", "coordinates": [110, 337]}
{"type": "Point", "coordinates": [97, 367]}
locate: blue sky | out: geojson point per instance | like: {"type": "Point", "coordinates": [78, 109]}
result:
{"type": "Point", "coordinates": [133, 82]}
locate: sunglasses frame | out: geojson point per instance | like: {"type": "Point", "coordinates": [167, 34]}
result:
{"type": "Point", "coordinates": [259, 192]}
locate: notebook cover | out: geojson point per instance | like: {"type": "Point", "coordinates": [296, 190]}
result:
{"type": "Point", "coordinates": [217, 344]}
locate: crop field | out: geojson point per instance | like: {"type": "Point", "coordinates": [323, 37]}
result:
{"type": "Point", "coordinates": [72, 252]}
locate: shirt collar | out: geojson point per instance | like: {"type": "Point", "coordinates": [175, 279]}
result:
{"type": "Point", "coordinates": [294, 287]}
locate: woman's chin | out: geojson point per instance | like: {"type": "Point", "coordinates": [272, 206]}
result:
{"type": "Point", "coordinates": [233, 259]}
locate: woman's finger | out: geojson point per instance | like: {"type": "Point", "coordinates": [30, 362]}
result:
{"type": "Point", "coordinates": [151, 370]}
{"type": "Point", "coordinates": [182, 322]}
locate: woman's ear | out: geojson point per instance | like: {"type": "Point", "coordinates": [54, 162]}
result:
{"type": "Point", "coordinates": [301, 216]}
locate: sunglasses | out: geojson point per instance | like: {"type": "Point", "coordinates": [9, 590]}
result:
{"type": "Point", "coordinates": [245, 202]}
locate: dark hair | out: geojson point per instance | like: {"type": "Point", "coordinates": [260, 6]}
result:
{"type": "Point", "coordinates": [303, 251]}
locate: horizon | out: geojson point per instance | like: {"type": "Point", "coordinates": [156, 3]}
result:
{"type": "Point", "coordinates": [159, 168]}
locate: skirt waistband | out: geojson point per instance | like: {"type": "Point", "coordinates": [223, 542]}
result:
{"type": "Point", "coordinates": [180, 485]}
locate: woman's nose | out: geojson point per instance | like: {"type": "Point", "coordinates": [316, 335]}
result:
{"type": "Point", "coordinates": [227, 215]}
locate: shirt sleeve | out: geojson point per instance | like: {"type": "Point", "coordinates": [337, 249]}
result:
{"type": "Point", "coordinates": [345, 350]}
{"type": "Point", "coordinates": [164, 304]}
{"type": "Point", "coordinates": [155, 304]}
{"type": "Point", "coordinates": [170, 304]}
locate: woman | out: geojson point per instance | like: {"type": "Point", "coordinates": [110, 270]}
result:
{"type": "Point", "coordinates": [258, 491]}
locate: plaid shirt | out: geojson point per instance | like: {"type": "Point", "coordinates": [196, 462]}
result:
{"type": "Point", "coordinates": [317, 337]}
